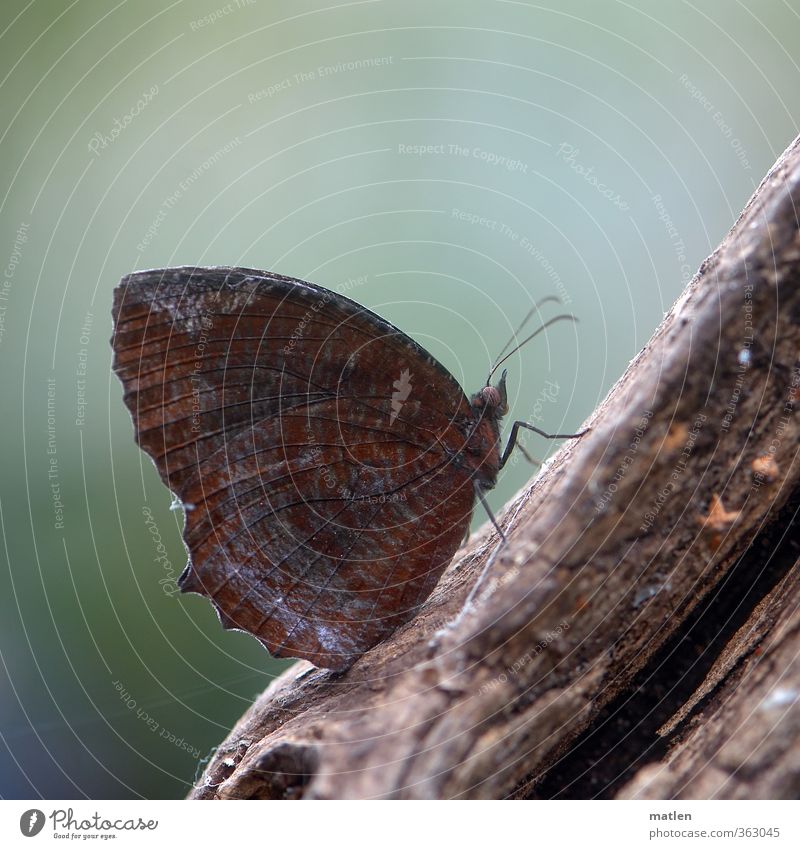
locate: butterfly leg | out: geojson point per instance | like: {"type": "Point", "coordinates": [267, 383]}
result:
{"type": "Point", "coordinates": [512, 440]}
{"type": "Point", "coordinates": [503, 540]}
{"type": "Point", "coordinates": [532, 460]}
{"type": "Point", "coordinates": [480, 496]}
{"type": "Point", "coordinates": [468, 604]}
{"type": "Point", "coordinates": [512, 443]}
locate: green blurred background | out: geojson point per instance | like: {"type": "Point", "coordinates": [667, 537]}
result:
{"type": "Point", "coordinates": [593, 149]}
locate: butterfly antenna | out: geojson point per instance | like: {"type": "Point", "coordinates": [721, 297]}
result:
{"type": "Point", "coordinates": [525, 320]}
{"type": "Point", "coordinates": [563, 317]}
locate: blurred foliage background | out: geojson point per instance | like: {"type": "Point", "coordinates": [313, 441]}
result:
{"type": "Point", "coordinates": [443, 163]}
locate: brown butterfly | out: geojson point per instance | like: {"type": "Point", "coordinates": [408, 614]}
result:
{"type": "Point", "coordinates": [327, 464]}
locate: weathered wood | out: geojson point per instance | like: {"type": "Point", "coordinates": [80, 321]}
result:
{"type": "Point", "coordinates": [613, 549]}
{"type": "Point", "coordinates": [741, 728]}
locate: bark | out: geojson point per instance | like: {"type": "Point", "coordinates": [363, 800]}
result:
{"type": "Point", "coordinates": [638, 635]}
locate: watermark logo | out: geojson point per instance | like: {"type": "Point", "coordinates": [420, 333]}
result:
{"type": "Point", "coordinates": [402, 389]}
{"type": "Point", "coordinates": [32, 822]}
{"type": "Point", "coordinates": [569, 154]}
{"type": "Point", "coordinates": [99, 141]}
{"type": "Point", "coordinates": [167, 583]}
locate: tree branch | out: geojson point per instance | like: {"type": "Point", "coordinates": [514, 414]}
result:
{"type": "Point", "coordinates": [624, 555]}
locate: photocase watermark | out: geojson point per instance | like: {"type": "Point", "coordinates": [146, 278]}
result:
{"type": "Point", "coordinates": [195, 378]}
{"type": "Point", "coordinates": [454, 149]}
{"type": "Point", "coordinates": [675, 237]}
{"type": "Point", "coordinates": [767, 468]}
{"type": "Point", "coordinates": [152, 723]}
{"type": "Point", "coordinates": [318, 73]}
{"type": "Point", "coordinates": [80, 371]}
{"type": "Point", "coordinates": [10, 271]}
{"type": "Point", "coordinates": [66, 825]}
{"type": "Point", "coordinates": [168, 583]}
{"type": "Point", "coordinates": [514, 669]}
{"type": "Point", "coordinates": [743, 359]}
{"type": "Point", "coordinates": [630, 455]}
{"type": "Point", "coordinates": [100, 141]}
{"type": "Point", "coordinates": [569, 154]}
{"type": "Point", "coordinates": [678, 469]}
{"type": "Point", "coordinates": [352, 283]}
{"type": "Point", "coordinates": [479, 220]}
{"type": "Point", "coordinates": [219, 14]}
{"type": "Point", "coordinates": [530, 248]}
{"type": "Point", "coordinates": [53, 478]}
{"type": "Point", "coordinates": [337, 488]}
{"type": "Point", "coordinates": [402, 389]}
{"type": "Point", "coordinates": [718, 118]}
{"type": "Point", "coordinates": [299, 331]}
{"type": "Point", "coordinates": [32, 822]}
{"type": "Point", "coordinates": [171, 201]}
{"type": "Point", "coordinates": [547, 395]}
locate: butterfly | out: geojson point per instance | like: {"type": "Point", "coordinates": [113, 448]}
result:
{"type": "Point", "coordinates": [326, 463]}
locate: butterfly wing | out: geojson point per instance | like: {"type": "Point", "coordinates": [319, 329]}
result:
{"type": "Point", "coordinates": [314, 446]}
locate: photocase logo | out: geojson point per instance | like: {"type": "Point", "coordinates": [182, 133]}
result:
{"type": "Point", "coordinates": [31, 822]}
{"type": "Point", "coordinates": [402, 389]}
{"type": "Point", "coordinates": [65, 825]}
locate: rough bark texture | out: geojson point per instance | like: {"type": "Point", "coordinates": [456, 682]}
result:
{"type": "Point", "coordinates": [638, 636]}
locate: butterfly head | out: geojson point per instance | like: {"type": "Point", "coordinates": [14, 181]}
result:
{"type": "Point", "coordinates": [492, 400]}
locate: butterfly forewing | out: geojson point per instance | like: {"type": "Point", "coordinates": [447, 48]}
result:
{"type": "Point", "coordinates": [313, 445]}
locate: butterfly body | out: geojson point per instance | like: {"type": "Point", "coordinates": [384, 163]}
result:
{"type": "Point", "coordinates": [482, 452]}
